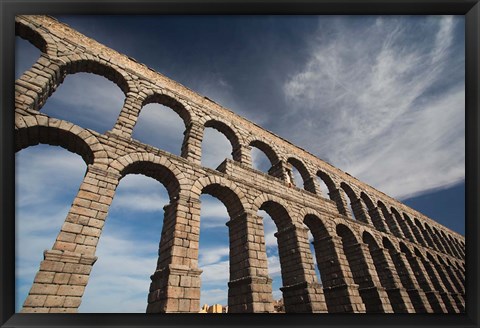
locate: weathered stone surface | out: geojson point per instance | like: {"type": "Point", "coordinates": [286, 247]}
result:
{"type": "Point", "coordinates": [384, 257]}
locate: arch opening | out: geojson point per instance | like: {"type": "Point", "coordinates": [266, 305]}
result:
{"type": "Point", "coordinates": [299, 174]}
{"type": "Point", "coordinates": [384, 273]}
{"type": "Point", "coordinates": [323, 188]}
{"type": "Point", "coordinates": [273, 257]}
{"type": "Point", "coordinates": [87, 100]}
{"type": "Point", "coordinates": [227, 133]}
{"type": "Point", "coordinates": [161, 127]}
{"type": "Point", "coordinates": [426, 237]}
{"type": "Point", "coordinates": [415, 230]}
{"type": "Point", "coordinates": [215, 148]}
{"type": "Point", "coordinates": [263, 156]}
{"type": "Point", "coordinates": [226, 262]}
{"type": "Point", "coordinates": [353, 203]}
{"type": "Point", "coordinates": [402, 224]}
{"type": "Point", "coordinates": [436, 242]}
{"type": "Point", "coordinates": [316, 232]}
{"type": "Point", "coordinates": [359, 268]}
{"type": "Point", "coordinates": [47, 179]}
{"type": "Point", "coordinates": [156, 171]}
{"type": "Point", "coordinates": [296, 261]}
{"type": "Point", "coordinates": [373, 212]}
{"type": "Point", "coordinates": [391, 222]}
{"type": "Point", "coordinates": [214, 251]}
{"type": "Point", "coordinates": [128, 249]}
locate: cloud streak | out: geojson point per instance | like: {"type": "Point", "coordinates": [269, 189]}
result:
{"type": "Point", "coordinates": [387, 113]}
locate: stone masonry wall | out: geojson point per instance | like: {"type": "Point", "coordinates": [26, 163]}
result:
{"type": "Point", "coordinates": [384, 257]}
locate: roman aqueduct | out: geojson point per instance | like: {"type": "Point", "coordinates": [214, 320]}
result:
{"type": "Point", "coordinates": [385, 258]}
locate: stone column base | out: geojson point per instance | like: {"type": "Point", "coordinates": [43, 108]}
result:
{"type": "Point", "coordinates": [400, 300]}
{"type": "Point", "coordinates": [449, 302]}
{"type": "Point", "coordinates": [419, 301]}
{"type": "Point", "coordinates": [59, 284]}
{"type": "Point", "coordinates": [436, 301]}
{"type": "Point", "coordinates": [250, 295]}
{"type": "Point", "coordinates": [344, 299]}
{"type": "Point", "coordinates": [378, 301]}
{"type": "Point", "coordinates": [304, 298]}
{"type": "Point", "coordinates": [174, 288]}
{"type": "Point", "coordinates": [459, 300]}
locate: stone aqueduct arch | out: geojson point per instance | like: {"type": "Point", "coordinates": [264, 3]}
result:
{"type": "Point", "coordinates": [389, 259]}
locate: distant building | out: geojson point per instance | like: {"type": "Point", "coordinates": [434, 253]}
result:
{"type": "Point", "coordinates": [278, 306]}
{"type": "Point", "coordinates": [215, 308]}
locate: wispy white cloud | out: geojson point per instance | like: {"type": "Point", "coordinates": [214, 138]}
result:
{"type": "Point", "coordinates": [215, 272]}
{"type": "Point", "coordinates": [212, 254]}
{"type": "Point", "coordinates": [213, 213]}
{"type": "Point", "coordinates": [389, 110]}
{"type": "Point", "coordinates": [214, 296]}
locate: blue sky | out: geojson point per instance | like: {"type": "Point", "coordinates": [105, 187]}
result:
{"type": "Point", "coordinates": [382, 98]}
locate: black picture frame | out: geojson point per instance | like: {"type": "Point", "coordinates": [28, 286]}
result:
{"type": "Point", "coordinates": [10, 8]}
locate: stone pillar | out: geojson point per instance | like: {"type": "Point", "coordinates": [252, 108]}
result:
{"type": "Point", "coordinates": [459, 286]}
{"type": "Point", "coordinates": [250, 287]}
{"type": "Point", "coordinates": [437, 283]}
{"type": "Point", "coordinates": [407, 232]}
{"type": "Point", "coordinates": [377, 219]}
{"type": "Point", "coordinates": [373, 294]}
{"type": "Point", "coordinates": [446, 245]}
{"type": "Point", "coordinates": [387, 274]}
{"type": "Point", "coordinates": [397, 230]}
{"type": "Point", "coordinates": [338, 197]}
{"type": "Point", "coordinates": [301, 291]}
{"type": "Point", "coordinates": [192, 142]}
{"type": "Point", "coordinates": [427, 238]}
{"type": "Point", "coordinates": [417, 295]}
{"type": "Point", "coordinates": [392, 223]}
{"type": "Point", "coordinates": [417, 233]}
{"type": "Point", "coordinates": [451, 286]}
{"type": "Point", "coordinates": [175, 285]}
{"type": "Point", "coordinates": [438, 244]}
{"type": "Point", "coordinates": [312, 185]}
{"type": "Point", "coordinates": [60, 283]}
{"type": "Point", "coordinates": [361, 211]}
{"type": "Point", "coordinates": [243, 154]}
{"type": "Point", "coordinates": [278, 170]}
{"type": "Point", "coordinates": [433, 296]}
{"type": "Point", "coordinates": [454, 249]}
{"type": "Point", "coordinates": [128, 116]}
{"type": "Point", "coordinates": [341, 293]}
{"type": "Point", "coordinates": [462, 251]}
{"type": "Point", "coordinates": [35, 85]}
{"type": "Point", "coordinates": [460, 276]}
